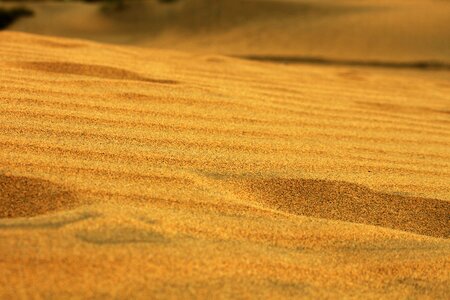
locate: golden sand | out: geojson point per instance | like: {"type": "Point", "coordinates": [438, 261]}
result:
{"type": "Point", "coordinates": [136, 173]}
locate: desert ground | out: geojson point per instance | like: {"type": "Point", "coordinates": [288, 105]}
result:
{"type": "Point", "coordinates": [174, 164]}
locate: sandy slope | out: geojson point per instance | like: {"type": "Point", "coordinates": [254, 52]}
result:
{"type": "Point", "coordinates": [127, 171]}
{"type": "Point", "coordinates": [381, 30]}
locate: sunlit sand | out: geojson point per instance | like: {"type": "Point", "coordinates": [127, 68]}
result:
{"type": "Point", "coordinates": [138, 173]}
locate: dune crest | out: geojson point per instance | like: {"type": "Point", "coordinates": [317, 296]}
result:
{"type": "Point", "coordinates": [365, 31]}
{"type": "Point", "coordinates": [90, 70]}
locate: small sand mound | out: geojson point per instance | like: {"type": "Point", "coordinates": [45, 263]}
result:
{"type": "Point", "coordinates": [354, 203]}
{"type": "Point", "coordinates": [28, 197]}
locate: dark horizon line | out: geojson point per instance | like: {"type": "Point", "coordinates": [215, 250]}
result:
{"type": "Point", "coordinates": [420, 64]}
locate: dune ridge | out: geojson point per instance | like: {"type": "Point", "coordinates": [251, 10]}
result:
{"type": "Point", "coordinates": [129, 172]}
{"type": "Point", "coordinates": [89, 70]}
{"type": "Point", "coordinates": [396, 32]}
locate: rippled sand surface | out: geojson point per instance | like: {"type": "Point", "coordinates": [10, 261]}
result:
{"type": "Point", "coordinates": [140, 173]}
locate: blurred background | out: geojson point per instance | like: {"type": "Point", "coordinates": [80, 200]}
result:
{"type": "Point", "coordinates": [353, 31]}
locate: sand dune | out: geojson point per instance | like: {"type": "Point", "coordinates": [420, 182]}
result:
{"type": "Point", "coordinates": [128, 172]}
{"type": "Point", "coordinates": [344, 30]}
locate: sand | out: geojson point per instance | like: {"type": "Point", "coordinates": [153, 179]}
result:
{"type": "Point", "coordinates": [141, 173]}
{"type": "Point", "coordinates": [344, 30]}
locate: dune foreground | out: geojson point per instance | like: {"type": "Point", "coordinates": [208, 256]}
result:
{"type": "Point", "coordinates": [136, 173]}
